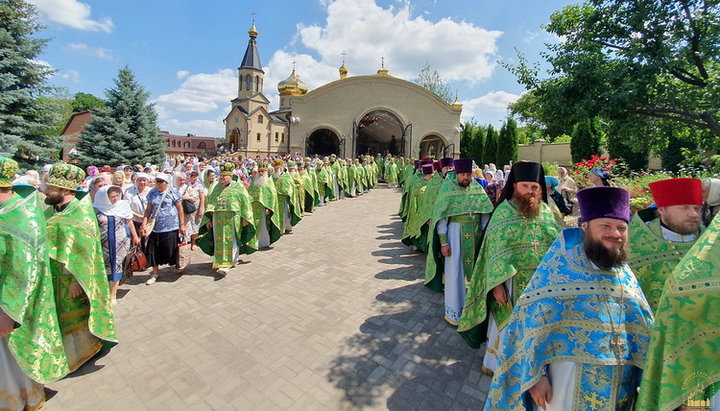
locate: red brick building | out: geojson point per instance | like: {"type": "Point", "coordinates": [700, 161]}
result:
{"type": "Point", "coordinates": [176, 144]}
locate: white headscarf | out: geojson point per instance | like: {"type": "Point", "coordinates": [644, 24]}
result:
{"type": "Point", "coordinates": [713, 192]}
{"type": "Point", "coordinates": [102, 203]}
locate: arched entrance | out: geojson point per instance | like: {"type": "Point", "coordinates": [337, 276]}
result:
{"type": "Point", "coordinates": [432, 146]}
{"type": "Point", "coordinates": [322, 142]}
{"type": "Point", "coordinates": [379, 132]}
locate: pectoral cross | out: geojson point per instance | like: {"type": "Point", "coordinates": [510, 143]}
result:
{"type": "Point", "coordinates": [594, 402]}
{"type": "Point", "coordinates": [617, 345]}
{"type": "Point", "coordinates": [535, 244]}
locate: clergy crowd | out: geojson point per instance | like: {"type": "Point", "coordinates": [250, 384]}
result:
{"type": "Point", "coordinates": [618, 311]}
{"type": "Point", "coordinates": [69, 237]}
{"type": "Point", "coordinates": [612, 311]}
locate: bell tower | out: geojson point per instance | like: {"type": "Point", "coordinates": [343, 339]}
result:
{"type": "Point", "coordinates": [250, 72]}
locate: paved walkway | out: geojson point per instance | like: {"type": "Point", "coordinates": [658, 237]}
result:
{"type": "Point", "coordinates": [335, 316]}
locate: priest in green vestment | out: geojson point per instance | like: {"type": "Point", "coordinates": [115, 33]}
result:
{"type": "Point", "coordinates": [461, 211]}
{"type": "Point", "coordinates": [411, 229]}
{"type": "Point", "coordinates": [660, 237]}
{"type": "Point", "coordinates": [312, 194]}
{"type": "Point", "coordinates": [31, 348]}
{"type": "Point", "coordinates": [227, 228]}
{"type": "Point", "coordinates": [521, 229]}
{"type": "Point", "coordinates": [352, 186]}
{"type": "Point", "coordinates": [410, 185]}
{"type": "Point", "coordinates": [682, 365]}
{"type": "Point", "coordinates": [419, 225]}
{"type": "Point", "coordinates": [299, 182]}
{"type": "Point", "coordinates": [82, 293]}
{"type": "Point", "coordinates": [391, 173]}
{"type": "Point", "coordinates": [335, 184]}
{"type": "Point", "coordinates": [343, 178]}
{"type": "Point", "coordinates": [287, 197]}
{"type": "Point", "coordinates": [324, 179]}
{"type": "Point", "coordinates": [267, 218]}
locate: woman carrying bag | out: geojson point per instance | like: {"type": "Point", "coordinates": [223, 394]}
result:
{"type": "Point", "coordinates": [163, 223]}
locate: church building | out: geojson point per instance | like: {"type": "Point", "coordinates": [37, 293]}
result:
{"type": "Point", "coordinates": [349, 117]}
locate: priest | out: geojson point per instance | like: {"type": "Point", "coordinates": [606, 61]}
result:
{"type": "Point", "coordinates": [31, 347]}
{"type": "Point", "coordinates": [682, 362]}
{"type": "Point", "coordinates": [267, 219]}
{"type": "Point", "coordinates": [518, 235]}
{"type": "Point", "coordinates": [82, 293]}
{"type": "Point", "coordinates": [660, 236]}
{"type": "Point", "coordinates": [227, 229]}
{"type": "Point", "coordinates": [287, 197]}
{"type": "Point", "coordinates": [578, 335]}
{"type": "Point", "coordinates": [459, 214]}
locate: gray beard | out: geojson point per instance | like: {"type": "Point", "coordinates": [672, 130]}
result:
{"type": "Point", "coordinates": [259, 180]}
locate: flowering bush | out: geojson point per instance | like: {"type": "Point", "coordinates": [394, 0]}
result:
{"type": "Point", "coordinates": [583, 167]}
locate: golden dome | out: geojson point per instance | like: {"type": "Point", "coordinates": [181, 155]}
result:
{"type": "Point", "coordinates": [253, 31]}
{"type": "Point", "coordinates": [292, 86]}
{"type": "Point", "coordinates": [343, 71]}
{"type": "Point", "coordinates": [382, 71]}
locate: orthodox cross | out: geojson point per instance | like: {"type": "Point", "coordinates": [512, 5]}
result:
{"type": "Point", "coordinates": [535, 244]}
{"type": "Point", "coordinates": [382, 62]}
{"type": "Point", "coordinates": [594, 402]}
{"type": "Point", "coordinates": [343, 54]}
{"type": "Point", "coordinates": [253, 14]}
{"type": "Point", "coordinates": [293, 64]}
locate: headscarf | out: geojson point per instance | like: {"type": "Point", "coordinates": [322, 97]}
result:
{"type": "Point", "coordinates": [713, 185]}
{"type": "Point", "coordinates": [102, 203]}
{"type": "Point", "coordinates": [603, 174]}
{"type": "Point", "coordinates": [552, 182]}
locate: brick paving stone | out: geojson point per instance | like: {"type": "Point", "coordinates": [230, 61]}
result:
{"type": "Point", "coordinates": [335, 316]}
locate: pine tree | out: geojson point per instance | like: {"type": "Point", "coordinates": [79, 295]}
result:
{"type": "Point", "coordinates": [126, 130]}
{"type": "Point", "coordinates": [25, 118]}
{"type": "Point", "coordinates": [491, 146]}
{"type": "Point", "coordinates": [585, 140]}
{"type": "Point", "coordinates": [507, 143]}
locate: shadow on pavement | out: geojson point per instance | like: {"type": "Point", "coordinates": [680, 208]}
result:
{"type": "Point", "coordinates": [408, 355]}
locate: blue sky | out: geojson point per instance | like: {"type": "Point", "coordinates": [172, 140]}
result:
{"type": "Point", "coordinates": [185, 53]}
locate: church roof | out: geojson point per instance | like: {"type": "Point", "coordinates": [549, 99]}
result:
{"type": "Point", "coordinates": [252, 57]}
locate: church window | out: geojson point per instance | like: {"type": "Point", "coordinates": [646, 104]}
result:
{"type": "Point", "coordinates": [186, 144]}
{"type": "Point", "coordinates": [248, 82]}
{"type": "Point", "coordinates": [282, 137]}
{"type": "Point", "coordinates": [260, 119]}
{"type": "Point", "coordinates": [258, 136]}
{"type": "Point", "coordinates": [202, 145]}
{"type": "Point", "coordinates": [257, 83]}
{"type": "Point", "coordinates": [277, 136]}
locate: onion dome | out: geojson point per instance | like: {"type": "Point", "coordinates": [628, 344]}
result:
{"type": "Point", "coordinates": [253, 31]}
{"type": "Point", "coordinates": [343, 71]}
{"type": "Point", "coordinates": [292, 86]}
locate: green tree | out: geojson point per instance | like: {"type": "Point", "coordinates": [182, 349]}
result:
{"type": "Point", "coordinates": [126, 131]}
{"type": "Point", "coordinates": [85, 101]}
{"type": "Point", "coordinates": [25, 118]}
{"type": "Point", "coordinates": [585, 140]}
{"type": "Point", "coordinates": [478, 149]}
{"type": "Point", "coordinates": [466, 139]}
{"type": "Point", "coordinates": [653, 59]}
{"type": "Point", "coordinates": [431, 80]}
{"type": "Point", "coordinates": [623, 137]}
{"type": "Point", "coordinates": [507, 143]}
{"type": "Point", "coordinates": [679, 139]}
{"type": "Point", "coordinates": [491, 146]}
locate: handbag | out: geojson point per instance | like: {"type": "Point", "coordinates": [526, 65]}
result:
{"type": "Point", "coordinates": [188, 207]}
{"type": "Point", "coordinates": [150, 225]}
{"type": "Point", "coordinates": [135, 260]}
{"type": "Point", "coordinates": [183, 254]}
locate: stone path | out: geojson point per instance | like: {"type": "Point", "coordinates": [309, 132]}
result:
{"type": "Point", "coordinates": [335, 316]}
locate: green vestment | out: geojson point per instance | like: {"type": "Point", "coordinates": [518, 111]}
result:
{"type": "Point", "coordinates": [286, 192]}
{"type": "Point", "coordinates": [299, 191]}
{"type": "Point", "coordinates": [464, 205]}
{"type": "Point", "coordinates": [512, 247]}
{"type": "Point", "coordinates": [311, 192]}
{"type": "Point", "coordinates": [265, 197]}
{"type": "Point", "coordinates": [391, 174]}
{"type": "Point", "coordinates": [682, 361]}
{"type": "Point", "coordinates": [652, 257]}
{"type": "Point", "coordinates": [76, 255]}
{"type": "Point", "coordinates": [26, 290]}
{"type": "Point", "coordinates": [411, 229]}
{"type": "Point", "coordinates": [229, 205]}
{"type": "Point", "coordinates": [325, 181]}
{"type": "Point", "coordinates": [417, 224]}
{"type": "Point", "coordinates": [411, 183]}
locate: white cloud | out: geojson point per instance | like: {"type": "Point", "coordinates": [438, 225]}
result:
{"type": "Point", "coordinates": [491, 106]}
{"type": "Point", "coordinates": [181, 74]}
{"type": "Point", "coordinates": [204, 128]}
{"type": "Point", "coordinates": [72, 75]}
{"type": "Point", "coordinates": [201, 93]}
{"type": "Point", "coordinates": [457, 50]}
{"type": "Point", "coordinates": [84, 49]}
{"type": "Point", "coordinates": [72, 13]}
